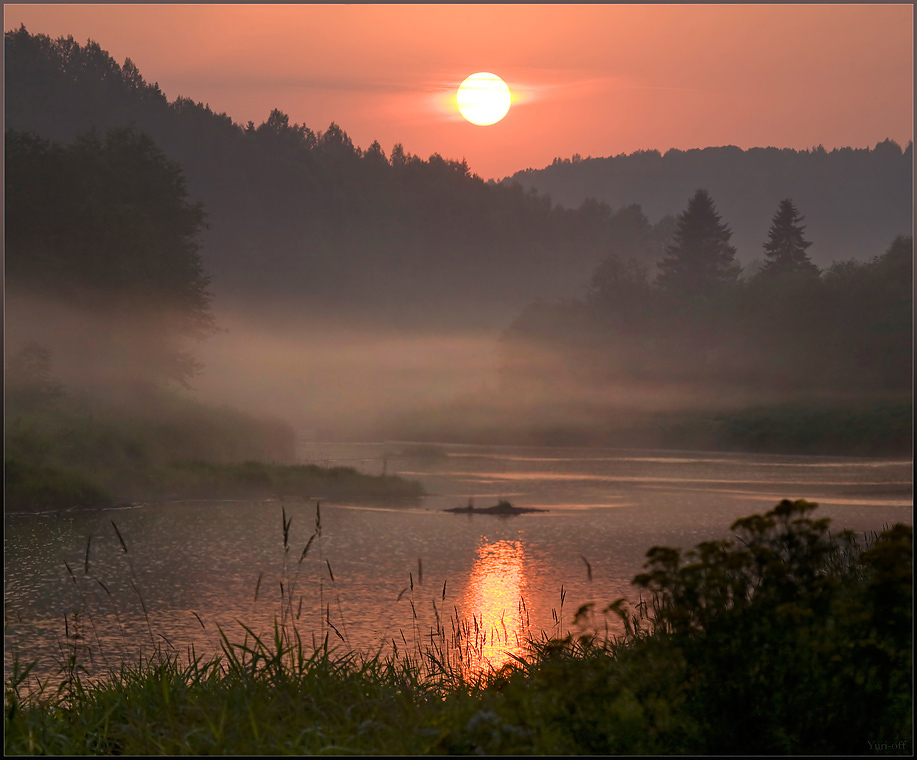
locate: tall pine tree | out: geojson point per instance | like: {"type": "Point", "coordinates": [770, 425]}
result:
{"type": "Point", "coordinates": [699, 261]}
{"type": "Point", "coordinates": [785, 248]}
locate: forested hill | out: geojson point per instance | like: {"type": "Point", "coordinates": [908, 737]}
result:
{"type": "Point", "coordinates": [304, 220]}
{"type": "Point", "coordinates": [854, 200]}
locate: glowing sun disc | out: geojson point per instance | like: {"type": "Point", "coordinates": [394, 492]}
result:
{"type": "Point", "coordinates": [483, 98]}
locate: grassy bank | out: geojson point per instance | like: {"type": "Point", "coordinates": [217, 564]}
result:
{"type": "Point", "coordinates": [862, 428]}
{"type": "Point", "coordinates": [787, 640]}
{"type": "Point", "coordinates": [854, 427]}
{"type": "Point", "coordinates": [206, 479]}
{"type": "Point", "coordinates": [39, 488]}
{"type": "Point", "coordinates": [90, 453]}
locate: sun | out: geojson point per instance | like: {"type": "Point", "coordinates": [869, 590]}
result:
{"type": "Point", "coordinates": [483, 98]}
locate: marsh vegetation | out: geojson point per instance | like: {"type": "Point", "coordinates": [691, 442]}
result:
{"type": "Point", "coordinates": [390, 297]}
{"type": "Point", "coordinates": [85, 453]}
{"type": "Point", "coordinates": [788, 638]}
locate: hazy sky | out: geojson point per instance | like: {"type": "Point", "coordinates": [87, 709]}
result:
{"type": "Point", "coordinates": [591, 79]}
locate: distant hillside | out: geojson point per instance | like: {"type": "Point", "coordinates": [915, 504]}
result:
{"type": "Point", "coordinates": [855, 201]}
{"type": "Point", "coordinates": [304, 221]}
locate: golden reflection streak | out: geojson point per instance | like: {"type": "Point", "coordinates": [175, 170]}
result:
{"type": "Point", "coordinates": [493, 599]}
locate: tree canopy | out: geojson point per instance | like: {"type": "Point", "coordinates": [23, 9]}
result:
{"type": "Point", "coordinates": [105, 226]}
{"type": "Point", "coordinates": [303, 219]}
{"type": "Point", "coordinates": [785, 247]}
{"type": "Point", "coordinates": [699, 261]}
{"type": "Point", "coordinates": [855, 199]}
{"type": "Point", "coordinates": [847, 331]}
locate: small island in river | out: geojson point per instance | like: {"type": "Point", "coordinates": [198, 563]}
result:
{"type": "Point", "coordinates": [501, 508]}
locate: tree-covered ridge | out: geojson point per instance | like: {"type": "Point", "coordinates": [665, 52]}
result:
{"type": "Point", "coordinates": [104, 229]}
{"type": "Point", "coordinates": [787, 328]}
{"type": "Point", "coordinates": [307, 217]}
{"type": "Point", "coordinates": [855, 199]}
{"type": "Point", "coordinates": [106, 213]}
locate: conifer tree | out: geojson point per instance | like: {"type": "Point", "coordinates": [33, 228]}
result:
{"type": "Point", "coordinates": [699, 260]}
{"type": "Point", "coordinates": [785, 248]}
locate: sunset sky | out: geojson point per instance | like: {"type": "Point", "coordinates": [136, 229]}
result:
{"type": "Point", "coordinates": [596, 80]}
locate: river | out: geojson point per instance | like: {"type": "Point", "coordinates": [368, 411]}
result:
{"type": "Point", "coordinates": [379, 576]}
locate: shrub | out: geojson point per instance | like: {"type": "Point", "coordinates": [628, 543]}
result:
{"type": "Point", "coordinates": [795, 639]}
{"type": "Point", "coordinates": [38, 487]}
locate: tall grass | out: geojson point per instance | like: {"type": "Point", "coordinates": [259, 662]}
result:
{"type": "Point", "coordinates": [788, 639]}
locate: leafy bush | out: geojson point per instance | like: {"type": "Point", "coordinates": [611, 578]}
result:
{"type": "Point", "coordinates": [788, 639]}
{"type": "Point", "coordinates": [36, 487]}
{"type": "Point", "coordinates": [793, 639]}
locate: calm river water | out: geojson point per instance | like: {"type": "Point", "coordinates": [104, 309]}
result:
{"type": "Point", "coordinates": [203, 565]}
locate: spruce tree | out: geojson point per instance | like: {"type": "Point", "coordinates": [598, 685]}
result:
{"type": "Point", "coordinates": [785, 248]}
{"type": "Point", "coordinates": [699, 261]}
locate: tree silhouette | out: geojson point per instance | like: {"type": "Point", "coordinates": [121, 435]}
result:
{"type": "Point", "coordinates": [105, 226]}
{"type": "Point", "coordinates": [785, 248]}
{"type": "Point", "coordinates": [631, 234]}
{"type": "Point", "coordinates": [620, 290]}
{"type": "Point", "coordinates": [699, 261]}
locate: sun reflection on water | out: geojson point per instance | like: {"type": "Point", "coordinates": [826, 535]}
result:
{"type": "Point", "coordinates": [493, 602]}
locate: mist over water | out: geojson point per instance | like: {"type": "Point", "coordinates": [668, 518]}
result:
{"type": "Point", "coordinates": [400, 316]}
{"type": "Point", "coordinates": [222, 562]}
{"type": "Point", "coordinates": [342, 380]}
{"type": "Point", "coordinates": [359, 380]}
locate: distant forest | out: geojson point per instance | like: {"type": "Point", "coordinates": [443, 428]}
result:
{"type": "Point", "coordinates": [147, 218]}
{"type": "Point", "coordinates": [303, 221]}
{"type": "Point", "coordinates": [306, 221]}
{"type": "Point", "coordinates": [855, 200]}
{"type": "Point", "coordinates": [790, 330]}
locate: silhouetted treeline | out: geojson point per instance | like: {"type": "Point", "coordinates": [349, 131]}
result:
{"type": "Point", "coordinates": [306, 220]}
{"type": "Point", "coordinates": [856, 199]}
{"type": "Point", "coordinates": [698, 324]}
{"type": "Point", "coordinates": [101, 256]}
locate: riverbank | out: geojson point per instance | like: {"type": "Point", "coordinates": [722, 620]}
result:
{"type": "Point", "coordinates": [86, 453]}
{"type": "Point", "coordinates": [786, 653]}
{"type": "Point", "coordinates": [852, 427]}
{"type": "Point", "coordinates": [31, 488]}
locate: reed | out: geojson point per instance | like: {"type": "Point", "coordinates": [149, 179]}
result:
{"type": "Point", "coordinates": [680, 675]}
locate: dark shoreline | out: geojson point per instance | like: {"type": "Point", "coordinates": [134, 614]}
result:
{"type": "Point", "coordinates": [35, 489]}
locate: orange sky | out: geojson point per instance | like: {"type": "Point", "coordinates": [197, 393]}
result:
{"type": "Point", "coordinates": [591, 79]}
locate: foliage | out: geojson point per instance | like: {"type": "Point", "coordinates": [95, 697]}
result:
{"type": "Point", "coordinates": [104, 226]}
{"type": "Point", "coordinates": [870, 308]}
{"type": "Point", "coordinates": [864, 428]}
{"type": "Point", "coordinates": [306, 217]}
{"type": "Point", "coordinates": [785, 247]}
{"type": "Point", "coordinates": [81, 453]}
{"type": "Point", "coordinates": [856, 199]}
{"type": "Point", "coordinates": [785, 644]}
{"type": "Point", "coordinates": [793, 338]}
{"type": "Point", "coordinates": [788, 639]}
{"type": "Point", "coordinates": [699, 261]}
{"type": "Point", "coordinates": [41, 488]}
{"type": "Point", "coordinates": [621, 288]}
{"type": "Point", "coordinates": [209, 480]}
{"type": "Point", "coordinates": [125, 452]}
